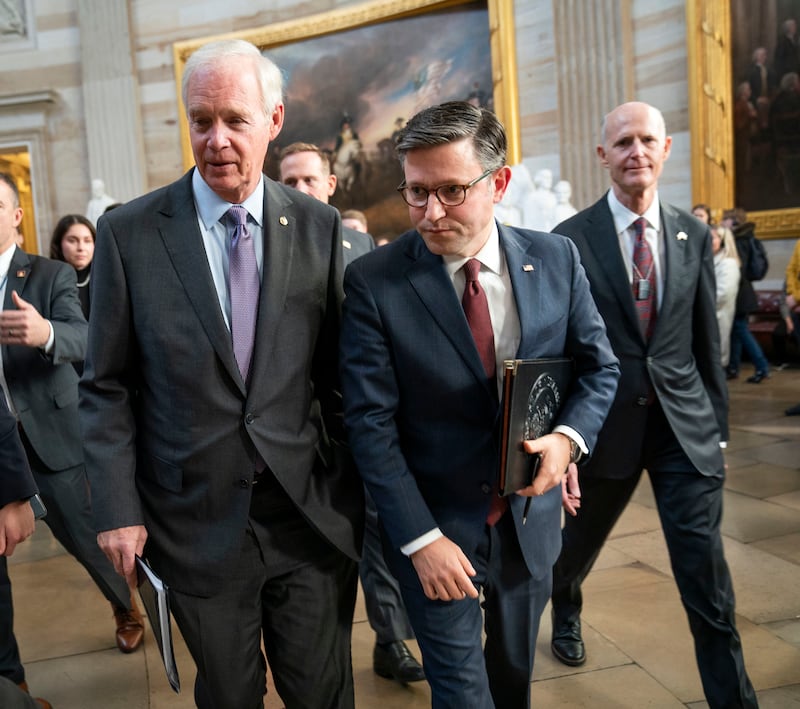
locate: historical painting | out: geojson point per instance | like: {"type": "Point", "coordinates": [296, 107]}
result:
{"type": "Point", "coordinates": [355, 75]}
{"type": "Point", "coordinates": [350, 93]}
{"type": "Point", "coordinates": [765, 66]}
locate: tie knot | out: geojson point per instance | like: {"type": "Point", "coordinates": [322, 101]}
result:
{"type": "Point", "coordinates": [237, 215]}
{"type": "Point", "coordinates": [472, 269]}
{"type": "Point", "coordinates": [639, 226]}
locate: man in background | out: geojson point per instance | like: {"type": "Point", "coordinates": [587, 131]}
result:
{"type": "Point", "coordinates": [651, 272]}
{"type": "Point", "coordinates": [306, 168]}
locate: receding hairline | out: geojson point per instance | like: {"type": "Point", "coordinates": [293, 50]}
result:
{"type": "Point", "coordinates": [652, 110]}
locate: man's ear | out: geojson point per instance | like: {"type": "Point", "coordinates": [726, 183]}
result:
{"type": "Point", "coordinates": [331, 184]}
{"type": "Point", "coordinates": [601, 153]}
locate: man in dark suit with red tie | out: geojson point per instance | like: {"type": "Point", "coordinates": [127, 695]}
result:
{"type": "Point", "coordinates": [651, 272]}
{"type": "Point", "coordinates": [211, 408]}
{"type": "Point", "coordinates": [422, 348]}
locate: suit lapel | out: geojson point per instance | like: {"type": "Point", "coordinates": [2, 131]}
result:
{"type": "Point", "coordinates": [428, 277]}
{"type": "Point", "coordinates": [524, 270]}
{"type": "Point", "coordinates": [18, 272]}
{"type": "Point", "coordinates": [675, 276]}
{"type": "Point", "coordinates": [183, 242]}
{"type": "Point", "coordinates": [279, 240]}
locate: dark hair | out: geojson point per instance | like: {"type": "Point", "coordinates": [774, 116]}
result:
{"type": "Point", "coordinates": [62, 228]}
{"type": "Point", "coordinates": [453, 121]}
{"type": "Point", "coordinates": [5, 177]}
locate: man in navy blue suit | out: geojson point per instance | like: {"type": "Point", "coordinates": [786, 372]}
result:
{"type": "Point", "coordinates": [421, 404]}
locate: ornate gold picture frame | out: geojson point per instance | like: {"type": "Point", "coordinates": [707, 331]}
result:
{"type": "Point", "coordinates": [712, 81]}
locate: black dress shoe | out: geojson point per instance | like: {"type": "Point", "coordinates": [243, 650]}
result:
{"type": "Point", "coordinates": [567, 643]}
{"type": "Point", "coordinates": [395, 661]}
{"type": "Point", "coordinates": [793, 410]}
{"type": "Point", "coordinates": [731, 374]}
{"type": "Point", "coordinates": [758, 377]}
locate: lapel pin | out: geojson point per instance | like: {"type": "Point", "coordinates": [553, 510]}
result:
{"type": "Point", "coordinates": [283, 220]}
{"type": "Point", "coordinates": [681, 236]}
{"type": "Point", "coordinates": [20, 274]}
{"type": "Point", "coordinates": [527, 267]}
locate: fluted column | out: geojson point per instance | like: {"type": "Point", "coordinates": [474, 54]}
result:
{"type": "Point", "coordinates": [594, 69]}
{"type": "Point", "coordinates": [111, 98]}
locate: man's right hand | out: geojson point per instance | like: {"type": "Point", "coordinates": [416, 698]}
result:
{"type": "Point", "coordinates": [121, 547]}
{"type": "Point", "coordinates": [444, 571]}
{"type": "Point", "coordinates": [16, 525]}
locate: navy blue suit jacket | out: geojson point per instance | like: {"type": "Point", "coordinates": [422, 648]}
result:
{"type": "Point", "coordinates": [421, 418]}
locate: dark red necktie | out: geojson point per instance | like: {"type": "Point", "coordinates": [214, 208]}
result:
{"type": "Point", "coordinates": [476, 308]}
{"type": "Point", "coordinates": [644, 280]}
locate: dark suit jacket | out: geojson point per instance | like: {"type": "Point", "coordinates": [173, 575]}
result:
{"type": "Point", "coordinates": [681, 361]}
{"type": "Point", "coordinates": [171, 432]}
{"type": "Point", "coordinates": [355, 244]}
{"type": "Point", "coordinates": [44, 388]}
{"type": "Point", "coordinates": [16, 481]}
{"type": "Point", "coordinates": [423, 423]}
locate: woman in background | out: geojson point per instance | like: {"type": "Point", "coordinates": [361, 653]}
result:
{"type": "Point", "coordinates": [73, 242]}
{"type": "Point", "coordinates": [727, 269]}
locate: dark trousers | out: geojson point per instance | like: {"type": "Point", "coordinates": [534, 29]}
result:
{"type": "Point", "coordinates": [385, 610]}
{"type": "Point", "coordinates": [291, 590]}
{"type": "Point", "coordinates": [690, 508]}
{"type": "Point", "coordinates": [65, 494]}
{"type": "Point", "coordinates": [460, 672]}
{"type": "Point", "coordinates": [10, 664]}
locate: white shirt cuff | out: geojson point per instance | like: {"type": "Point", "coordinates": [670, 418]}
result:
{"type": "Point", "coordinates": [574, 435]}
{"type": "Point", "coordinates": [48, 346]}
{"type": "Point", "coordinates": [423, 541]}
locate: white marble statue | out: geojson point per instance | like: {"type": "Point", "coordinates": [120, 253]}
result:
{"type": "Point", "coordinates": [510, 209]}
{"type": "Point", "coordinates": [564, 208]}
{"type": "Point", "coordinates": [99, 201]}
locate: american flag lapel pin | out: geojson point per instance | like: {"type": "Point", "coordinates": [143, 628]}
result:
{"type": "Point", "coordinates": [527, 267]}
{"type": "Point", "coordinates": [21, 273]}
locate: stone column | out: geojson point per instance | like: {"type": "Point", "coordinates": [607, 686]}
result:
{"type": "Point", "coordinates": [111, 98]}
{"type": "Point", "coordinates": [594, 69]}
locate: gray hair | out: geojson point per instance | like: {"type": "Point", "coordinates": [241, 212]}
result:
{"type": "Point", "coordinates": [453, 121]}
{"type": "Point", "coordinates": [5, 177]}
{"type": "Point", "coordinates": [210, 55]}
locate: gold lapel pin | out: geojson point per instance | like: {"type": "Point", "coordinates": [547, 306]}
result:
{"type": "Point", "coordinates": [20, 274]}
{"type": "Point", "coordinates": [283, 220]}
{"type": "Point", "coordinates": [527, 267]}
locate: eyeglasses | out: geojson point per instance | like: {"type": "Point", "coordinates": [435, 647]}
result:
{"type": "Point", "coordinates": [448, 195]}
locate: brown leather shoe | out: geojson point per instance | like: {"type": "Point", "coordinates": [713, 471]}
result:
{"type": "Point", "coordinates": [41, 702]}
{"type": "Point", "coordinates": [130, 628]}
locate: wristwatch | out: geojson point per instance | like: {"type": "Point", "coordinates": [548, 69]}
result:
{"type": "Point", "coordinates": [575, 452]}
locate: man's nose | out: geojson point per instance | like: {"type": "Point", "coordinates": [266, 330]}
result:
{"type": "Point", "coordinates": [434, 209]}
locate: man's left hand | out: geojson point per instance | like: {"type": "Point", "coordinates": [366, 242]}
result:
{"type": "Point", "coordinates": [23, 326]}
{"type": "Point", "coordinates": [554, 450]}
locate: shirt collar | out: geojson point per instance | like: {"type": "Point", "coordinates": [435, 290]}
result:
{"type": "Point", "coordinates": [624, 217]}
{"type": "Point", "coordinates": [211, 207]}
{"type": "Point", "coordinates": [489, 255]}
{"type": "Point", "coordinates": [5, 260]}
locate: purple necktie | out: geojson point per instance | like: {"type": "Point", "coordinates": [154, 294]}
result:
{"type": "Point", "coordinates": [644, 280]}
{"type": "Point", "coordinates": [476, 308]}
{"type": "Point", "coordinates": [244, 287]}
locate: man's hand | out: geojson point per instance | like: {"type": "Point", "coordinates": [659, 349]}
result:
{"type": "Point", "coordinates": [16, 525]}
{"type": "Point", "coordinates": [571, 491]}
{"type": "Point", "coordinates": [444, 571]}
{"type": "Point", "coordinates": [121, 547]}
{"type": "Point", "coordinates": [554, 449]}
{"type": "Point", "coordinates": [23, 326]}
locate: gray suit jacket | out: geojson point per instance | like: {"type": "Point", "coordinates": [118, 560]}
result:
{"type": "Point", "coordinates": [355, 244]}
{"type": "Point", "coordinates": [423, 421]}
{"type": "Point", "coordinates": [681, 362]}
{"type": "Point", "coordinates": [171, 431]}
{"type": "Point", "coordinates": [44, 388]}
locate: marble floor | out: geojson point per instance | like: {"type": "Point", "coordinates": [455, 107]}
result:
{"type": "Point", "coordinates": [638, 644]}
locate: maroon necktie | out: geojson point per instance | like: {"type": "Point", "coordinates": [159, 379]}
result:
{"type": "Point", "coordinates": [644, 280]}
{"type": "Point", "coordinates": [243, 287]}
{"type": "Point", "coordinates": [476, 308]}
